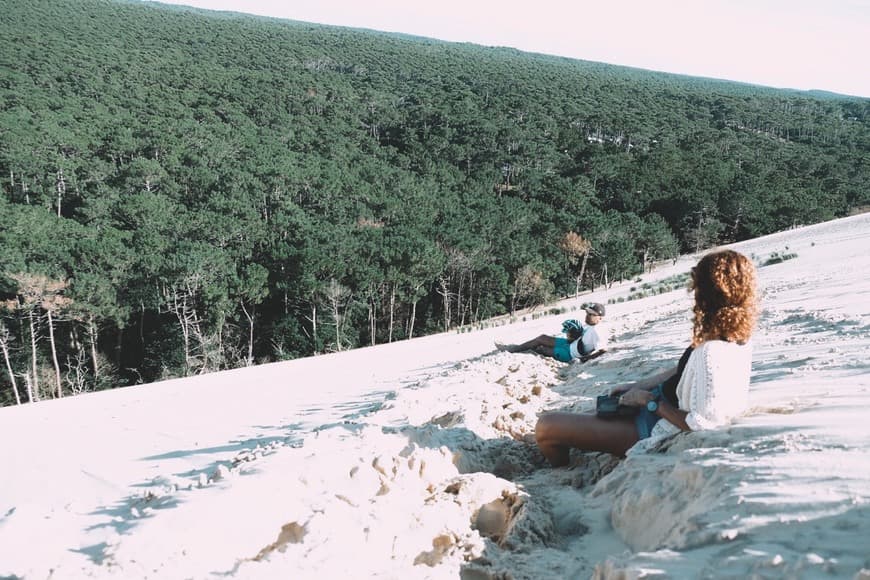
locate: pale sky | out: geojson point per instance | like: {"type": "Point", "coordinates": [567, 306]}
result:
{"type": "Point", "coordinates": [801, 44]}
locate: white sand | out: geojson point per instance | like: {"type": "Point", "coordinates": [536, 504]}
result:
{"type": "Point", "coordinates": [407, 460]}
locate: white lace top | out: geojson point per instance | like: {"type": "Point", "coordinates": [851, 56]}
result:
{"type": "Point", "coordinates": [714, 389]}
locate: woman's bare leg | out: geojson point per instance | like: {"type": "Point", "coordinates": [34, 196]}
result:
{"type": "Point", "coordinates": [557, 433]}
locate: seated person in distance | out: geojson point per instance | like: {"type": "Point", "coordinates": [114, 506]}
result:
{"type": "Point", "coordinates": [705, 390]}
{"type": "Point", "coordinates": [584, 340]}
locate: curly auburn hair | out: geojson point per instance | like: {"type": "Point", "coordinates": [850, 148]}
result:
{"type": "Point", "coordinates": [725, 304]}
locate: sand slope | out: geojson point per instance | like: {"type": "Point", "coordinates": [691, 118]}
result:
{"type": "Point", "coordinates": [410, 460]}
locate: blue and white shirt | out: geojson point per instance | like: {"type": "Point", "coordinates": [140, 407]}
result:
{"type": "Point", "coordinates": [594, 338]}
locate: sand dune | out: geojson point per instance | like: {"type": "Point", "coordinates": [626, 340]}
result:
{"type": "Point", "coordinates": [411, 460]}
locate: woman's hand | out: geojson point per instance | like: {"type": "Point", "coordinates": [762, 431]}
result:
{"type": "Point", "coordinates": [635, 397]}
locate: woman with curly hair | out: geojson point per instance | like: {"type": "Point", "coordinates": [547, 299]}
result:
{"type": "Point", "coordinates": [708, 387]}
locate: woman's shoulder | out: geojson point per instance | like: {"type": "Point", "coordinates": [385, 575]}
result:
{"type": "Point", "coordinates": [723, 349]}
{"type": "Point", "coordinates": [724, 345]}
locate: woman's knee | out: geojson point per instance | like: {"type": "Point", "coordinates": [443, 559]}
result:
{"type": "Point", "coordinates": [546, 427]}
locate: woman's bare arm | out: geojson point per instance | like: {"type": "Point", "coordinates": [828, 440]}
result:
{"type": "Point", "coordinates": [647, 383]}
{"type": "Point", "coordinates": [675, 416]}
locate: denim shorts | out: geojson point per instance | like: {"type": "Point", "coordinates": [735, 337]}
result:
{"type": "Point", "coordinates": [646, 420]}
{"type": "Point", "coordinates": [562, 350]}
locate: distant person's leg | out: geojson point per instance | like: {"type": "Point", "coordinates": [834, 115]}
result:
{"type": "Point", "coordinates": [537, 344]}
{"type": "Point", "coordinates": [560, 351]}
{"type": "Point", "coordinates": [557, 433]}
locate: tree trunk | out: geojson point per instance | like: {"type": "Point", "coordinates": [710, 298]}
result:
{"type": "Point", "coordinates": [54, 355]}
{"type": "Point", "coordinates": [372, 322]}
{"type": "Point", "coordinates": [219, 351]}
{"type": "Point", "coordinates": [699, 242]}
{"type": "Point", "coordinates": [119, 342]}
{"type": "Point", "coordinates": [250, 317]}
{"type": "Point", "coordinates": [336, 319]}
{"type": "Point", "coordinates": [92, 335]}
{"type": "Point", "coordinates": [583, 267]}
{"type": "Point", "coordinates": [413, 316]}
{"type": "Point", "coordinates": [4, 345]}
{"type": "Point", "coordinates": [392, 312]}
{"type": "Point", "coordinates": [33, 384]}
{"type": "Point", "coordinates": [470, 301]}
{"type": "Point", "coordinates": [338, 297]}
{"type": "Point", "coordinates": [314, 325]}
{"type": "Point", "coordinates": [444, 290]}
{"type": "Point", "coordinates": [459, 305]}
{"type": "Point", "coordinates": [61, 189]}
{"type": "Point", "coordinates": [181, 314]}
{"type": "Point", "coordinates": [29, 385]}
